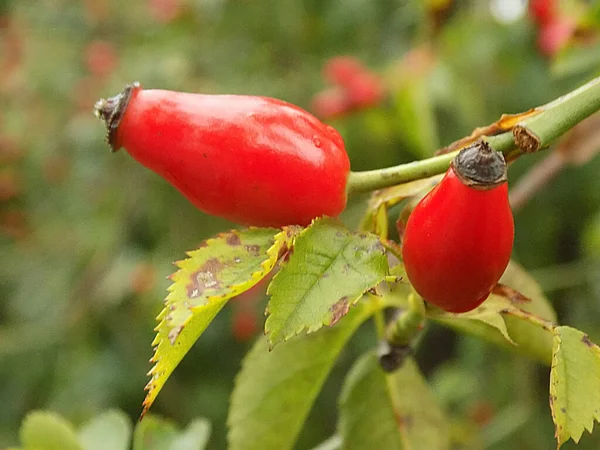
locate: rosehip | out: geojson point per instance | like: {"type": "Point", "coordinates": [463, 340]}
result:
{"type": "Point", "coordinates": [252, 160]}
{"type": "Point", "coordinates": [458, 239]}
{"type": "Point", "coordinates": [554, 36]}
{"type": "Point", "coordinates": [331, 102]}
{"type": "Point", "coordinates": [341, 70]}
{"type": "Point", "coordinates": [543, 11]}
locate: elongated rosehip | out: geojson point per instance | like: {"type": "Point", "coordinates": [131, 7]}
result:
{"type": "Point", "coordinates": [458, 239]}
{"type": "Point", "coordinates": [252, 160]}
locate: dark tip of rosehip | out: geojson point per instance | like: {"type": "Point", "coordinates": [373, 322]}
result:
{"type": "Point", "coordinates": [480, 166]}
{"type": "Point", "coordinates": [111, 111]}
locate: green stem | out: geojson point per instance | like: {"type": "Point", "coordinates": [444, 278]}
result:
{"type": "Point", "coordinates": [558, 117]}
{"type": "Point", "coordinates": [532, 134]}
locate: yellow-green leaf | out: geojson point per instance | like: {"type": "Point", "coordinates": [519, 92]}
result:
{"type": "Point", "coordinates": [574, 384]}
{"type": "Point", "coordinates": [220, 269]}
{"type": "Point", "coordinates": [488, 313]}
{"type": "Point", "coordinates": [328, 271]}
{"type": "Point", "coordinates": [498, 320]}
{"type": "Point", "coordinates": [396, 411]}
{"type": "Point", "coordinates": [47, 431]}
{"type": "Point", "coordinates": [376, 218]}
{"type": "Point", "coordinates": [275, 390]}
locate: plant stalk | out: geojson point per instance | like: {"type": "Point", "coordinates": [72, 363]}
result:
{"type": "Point", "coordinates": [536, 132]}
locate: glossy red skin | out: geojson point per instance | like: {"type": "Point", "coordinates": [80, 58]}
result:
{"type": "Point", "coordinates": [457, 243]}
{"type": "Point", "coordinates": [253, 160]}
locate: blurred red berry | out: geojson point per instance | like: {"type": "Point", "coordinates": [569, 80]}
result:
{"type": "Point", "coordinates": [101, 58]}
{"type": "Point", "coordinates": [365, 89]}
{"type": "Point", "coordinates": [543, 11]}
{"type": "Point", "coordinates": [164, 11]}
{"type": "Point", "coordinates": [342, 69]}
{"type": "Point", "coordinates": [356, 87]}
{"type": "Point", "coordinates": [330, 103]}
{"type": "Point", "coordinates": [554, 36]}
{"type": "Point", "coordinates": [245, 325]}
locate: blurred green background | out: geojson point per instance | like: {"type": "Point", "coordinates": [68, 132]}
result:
{"type": "Point", "coordinates": [87, 237]}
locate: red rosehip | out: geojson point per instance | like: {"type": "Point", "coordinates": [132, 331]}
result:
{"type": "Point", "coordinates": [164, 11]}
{"type": "Point", "coordinates": [341, 70]}
{"type": "Point", "coordinates": [554, 36]}
{"type": "Point", "coordinates": [252, 160]}
{"type": "Point", "coordinates": [458, 239]}
{"type": "Point", "coordinates": [244, 325]}
{"type": "Point", "coordinates": [331, 103]}
{"type": "Point", "coordinates": [364, 90]}
{"type": "Point", "coordinates": [543, 11]}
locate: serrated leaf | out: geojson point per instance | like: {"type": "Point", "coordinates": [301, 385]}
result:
{"type": "Point", "coordinates": [390, 411]}
{"type": "Point", "coordinates": [574, 384]}
{"type": "Point", "coordinates": [275, 390]}
{"type": "Point", "coordinates": [328, 271]}
{"type": "Point", "coordinates": [502, 322]}
{"type": "Point", "coordinates": [108, 431]}
{"type": "Point", "coordinates": [220, 269]}
{"type": "Point", "coordinates": [47, 431]}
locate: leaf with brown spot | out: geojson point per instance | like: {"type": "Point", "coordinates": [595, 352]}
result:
{"type": "Point", "coordinates": [329, 263]}
{"type": "Point", "coordinates": [574, 384]}
{"type": "Point", "coordinates": [511, 294]}
{"type": "Point", "coordinates": [205, 281]}
{"type": "Point", "coordinates": [396, 411]}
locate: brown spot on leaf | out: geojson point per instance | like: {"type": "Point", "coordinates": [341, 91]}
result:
{"type": "Point", "coordinates": [586, 340]}
{"type": "Point", "coordinates": [564, 410]}
{"type": "Point", "coordinates": [254, 250]}
{"type": "Point", "coordinates": [511, 294]}
{"type": "Point", "coordinates": [205, 278]}
{"type": "Point", "coordinates": [174, 333]}
{"type": "Point", "coordinates": [339, 309]}
{"type": "Point", "coordinates": [233, 239]}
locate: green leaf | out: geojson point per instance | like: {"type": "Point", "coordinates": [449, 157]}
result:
{"type": "Point", "coordinates": [328, 271]}
{"type": "Point", "coordinates": [333, 443]}
{"type": "Point", "coordinates": [47, 431]}
{"type": "Point", "coordinates": [504, 323]}
{"type": "Point", "coordinates": [275, 390]}
{"type": "Point", "coordinates": [195, 436]}
{"type": "Point", "coordinates": [108, 431]}
{"type": "Point", "coordinates": [415, 111]}
{"type": "Point", "coordinates": [488, 313]}
{"type": "Point", "coordinates": [531, 340]}
{"type": "Point", "coordinates": [390, 411]}
{"type": "Point", "coordinates": [220, 269]}
{"type": "Point", "coordinates": [574, 384]}
{"type": "Point", "coordinates": [154, 433]}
